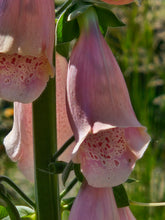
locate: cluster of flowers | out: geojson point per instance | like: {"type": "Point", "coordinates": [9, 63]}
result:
{"type": "Point", "coordinates": [97, 108]}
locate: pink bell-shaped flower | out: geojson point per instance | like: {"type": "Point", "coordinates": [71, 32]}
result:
{"type": "Point", "coordinates": [19, 142]}
{"type": "Point", "coordinates": [109, 139]}
{"type": "Point", "coordinates": [97, 204]}
{"type": "Point", "coordinates": [26, 48]}
{"type": "Point", "coordinates": [118, 2]}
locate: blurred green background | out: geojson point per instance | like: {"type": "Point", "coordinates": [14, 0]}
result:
{"type": "Point", "coordinates": [139, 48]}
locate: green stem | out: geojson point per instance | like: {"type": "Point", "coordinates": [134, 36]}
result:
{"type": "Point", "coordinates": [63, 148]}
{"type": "Point", "coordinates": [150, 204]}
{"type": "Point", "coordinates": [44, 129]}
{"type": "Point", "coordinates": [18, 190]}
{"type": "Point", "coordinates": [69, 187]}
{"type": "Point", "coordinates": [63, 7]}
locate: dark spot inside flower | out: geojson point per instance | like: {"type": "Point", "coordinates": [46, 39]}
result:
{"type": "Point", "coordinates": [13, 60]}
{"type": "Point", "coordinates": [116, 163]}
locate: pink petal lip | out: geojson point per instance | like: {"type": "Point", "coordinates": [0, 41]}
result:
{"type": "Point", "coordinates": [26, 33]}
{"type": "Point", "coordinates": [99, 107]}
{"type": "Point", "coordinates": [23, 78]}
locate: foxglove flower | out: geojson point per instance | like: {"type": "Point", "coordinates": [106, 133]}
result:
{"type": "Point", "coordinates": [118, 2]}
{"type": "Point", "coordinates": [109, 138]}
{"type": "Point", "coordinates": [97, 204]}
{"type": "Point", "coordinates": [19, 142]}
{"type": "Point", "coordinates": [26, 48]}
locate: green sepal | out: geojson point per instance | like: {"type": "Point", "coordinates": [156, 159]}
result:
{"type": "Point", "coordinates": [66, 204]}
{"type": "Point", "coordinates": [66, 30]}
{"type": "Point", "coordinates": [78, 172]}
{"type": "Point", "coordinates": [67, 27]}
{"type": "Point", "coordinates": [79, 9]}
{"type": "Point", "coordinates": [120, 196]}
{"type": "Point", "coordinates": [57, 167]}
{"type": "Point", "coordinates": [131, 180]}
{"type": "Point", "coordinates": [67, 171]}
{"type": "Point", "coordinates": [67, 200]}
{"type": "Point", "coordinates": [107, 19]}
{"type": "Point", "coordinates": [3, 212]}
{"type": "Point", "coordinates": [63, 49]}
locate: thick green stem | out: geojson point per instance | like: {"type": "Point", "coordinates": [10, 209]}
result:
{"type": "Point", "coordinates": [45, 145]}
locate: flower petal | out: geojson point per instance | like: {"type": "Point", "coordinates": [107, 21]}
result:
{"type": "Point", "coordinates": [94, 204]}
{"type": "Point", "coordinates": [126, 214]}
{"type": "Point", "coordinates": [26, 48]}
{"type": "Point", "coordinates": [23, 78]}
{"type": "Point", "coordinates": [107, 158]}
{"type": "Point", "coordinates": [19, 142]}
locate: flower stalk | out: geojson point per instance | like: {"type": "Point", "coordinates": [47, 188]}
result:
{"type": "Point", "coordinates": [44, 129]}
{"type": "Point", "coordinates": [149, 204]}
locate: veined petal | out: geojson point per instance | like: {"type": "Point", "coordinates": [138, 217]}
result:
{"type": "Point", "coordinates": [23, 78]}
{"type": "Point", "coordinates": [126, 214]}
{"type": "Point", "coordinates": [94, 204]}
{"type": "Point", "coordinates": [99, 109]}
{"type": "Point", "coordinates": [108, 157]}
{"type": "Point", "coordinates": [26, 48]}
{"type": "Point", "coordinates": [27, 27]}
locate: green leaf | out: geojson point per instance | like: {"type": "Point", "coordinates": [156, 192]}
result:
{"type": "Point", "coordinates": [63, 49]}
{"type": "Point", "coordinates": [99, 4]}
{"type": "Point", "coordinates": [107, 19]}
{"type": "Point", "coordinates": [3, 212]}
{"type": "Point", "coordinates": [66, 204]}
{"type": "Point", "coordinates": [10, 207]}
{"type": "Point", "coordinates": [132, 180]}
{"type": "Point", "coordinates": [30, 217]}
{"type": "Point", "coordinates": [67, 171]}
{"type": "Point", "coordinates": [120, 196]}
{"type": "Point", "coordinates": [67, 201]}
{"type": "Point", "coordinates": [80, 9]}
{"type": "Point", "coordinates": [78, 172]}
{"type": "Point", "coordinates": [66, 30]}
{"type": "Point", "coordinates": [24, 210]}
{"type": "Point", "coordinates": [57, 167]}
